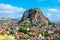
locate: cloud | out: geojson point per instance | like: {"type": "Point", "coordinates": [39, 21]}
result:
{"type": "Point", "coordinates": [53, 10]}
{"type": "Point", "coordinates": [9, 10]}
{"type": "Point", "coordinates": [53, 14]}
{"type": "Point", "coordinates": [48, 15]}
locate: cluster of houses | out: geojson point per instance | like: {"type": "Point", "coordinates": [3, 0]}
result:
{"type": "Point", "coordinates": [36, 34]}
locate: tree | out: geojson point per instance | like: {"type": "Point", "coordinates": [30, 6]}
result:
{"type": "Point", "coordinates": [58, 38]}
{"type": "Point", "coordinates": [47, 34]}
{"type": "Point", "coordinates": [23, 30]}
{"type": "Point", "coordinates": [52, 24]}
{"type": "Point", "coordinates": [11, 32]}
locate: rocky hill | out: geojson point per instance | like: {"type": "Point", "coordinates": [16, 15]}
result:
{"type": "Point", "coordinates": [34, 15]}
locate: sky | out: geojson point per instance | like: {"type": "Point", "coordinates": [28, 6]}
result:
{"type": "Point", "coordinates": [16, 8]}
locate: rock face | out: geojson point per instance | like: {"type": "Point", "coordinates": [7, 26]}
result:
{"type": "Point", "coordinates": [35, 15]}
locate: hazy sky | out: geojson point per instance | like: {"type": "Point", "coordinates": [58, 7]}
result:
{"type": "Point", "coordinates": [15, 8]}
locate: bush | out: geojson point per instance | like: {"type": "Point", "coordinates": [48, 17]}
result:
{"type": "Point", "coordinates": [47, 34]}
{"type": "Point", "coordinates": [58, 38]}
{"type": "Point", "coordinates": [11, 32]}
{"type": "Point", "coordinates": [23, 30]}
{"type": "Point", "coordinates": [2, 33]}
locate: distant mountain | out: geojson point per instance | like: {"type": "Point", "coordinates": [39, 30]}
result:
{"type": "Point", "coordinates": [8, 20]}
{"type": "Point", "coordinates": [57, 22]}
{"type": "Point", "coordinates": [34, 16]}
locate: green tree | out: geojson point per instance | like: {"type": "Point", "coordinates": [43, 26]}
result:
{"type": "Point", "coordinates": [47, 34]}
{"type": "Point", "coordinates": [23, 30]}
{"type": "Point", "coordinates": [58, 38]}
{"type": "Point", "coordinates": [11, 32]}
